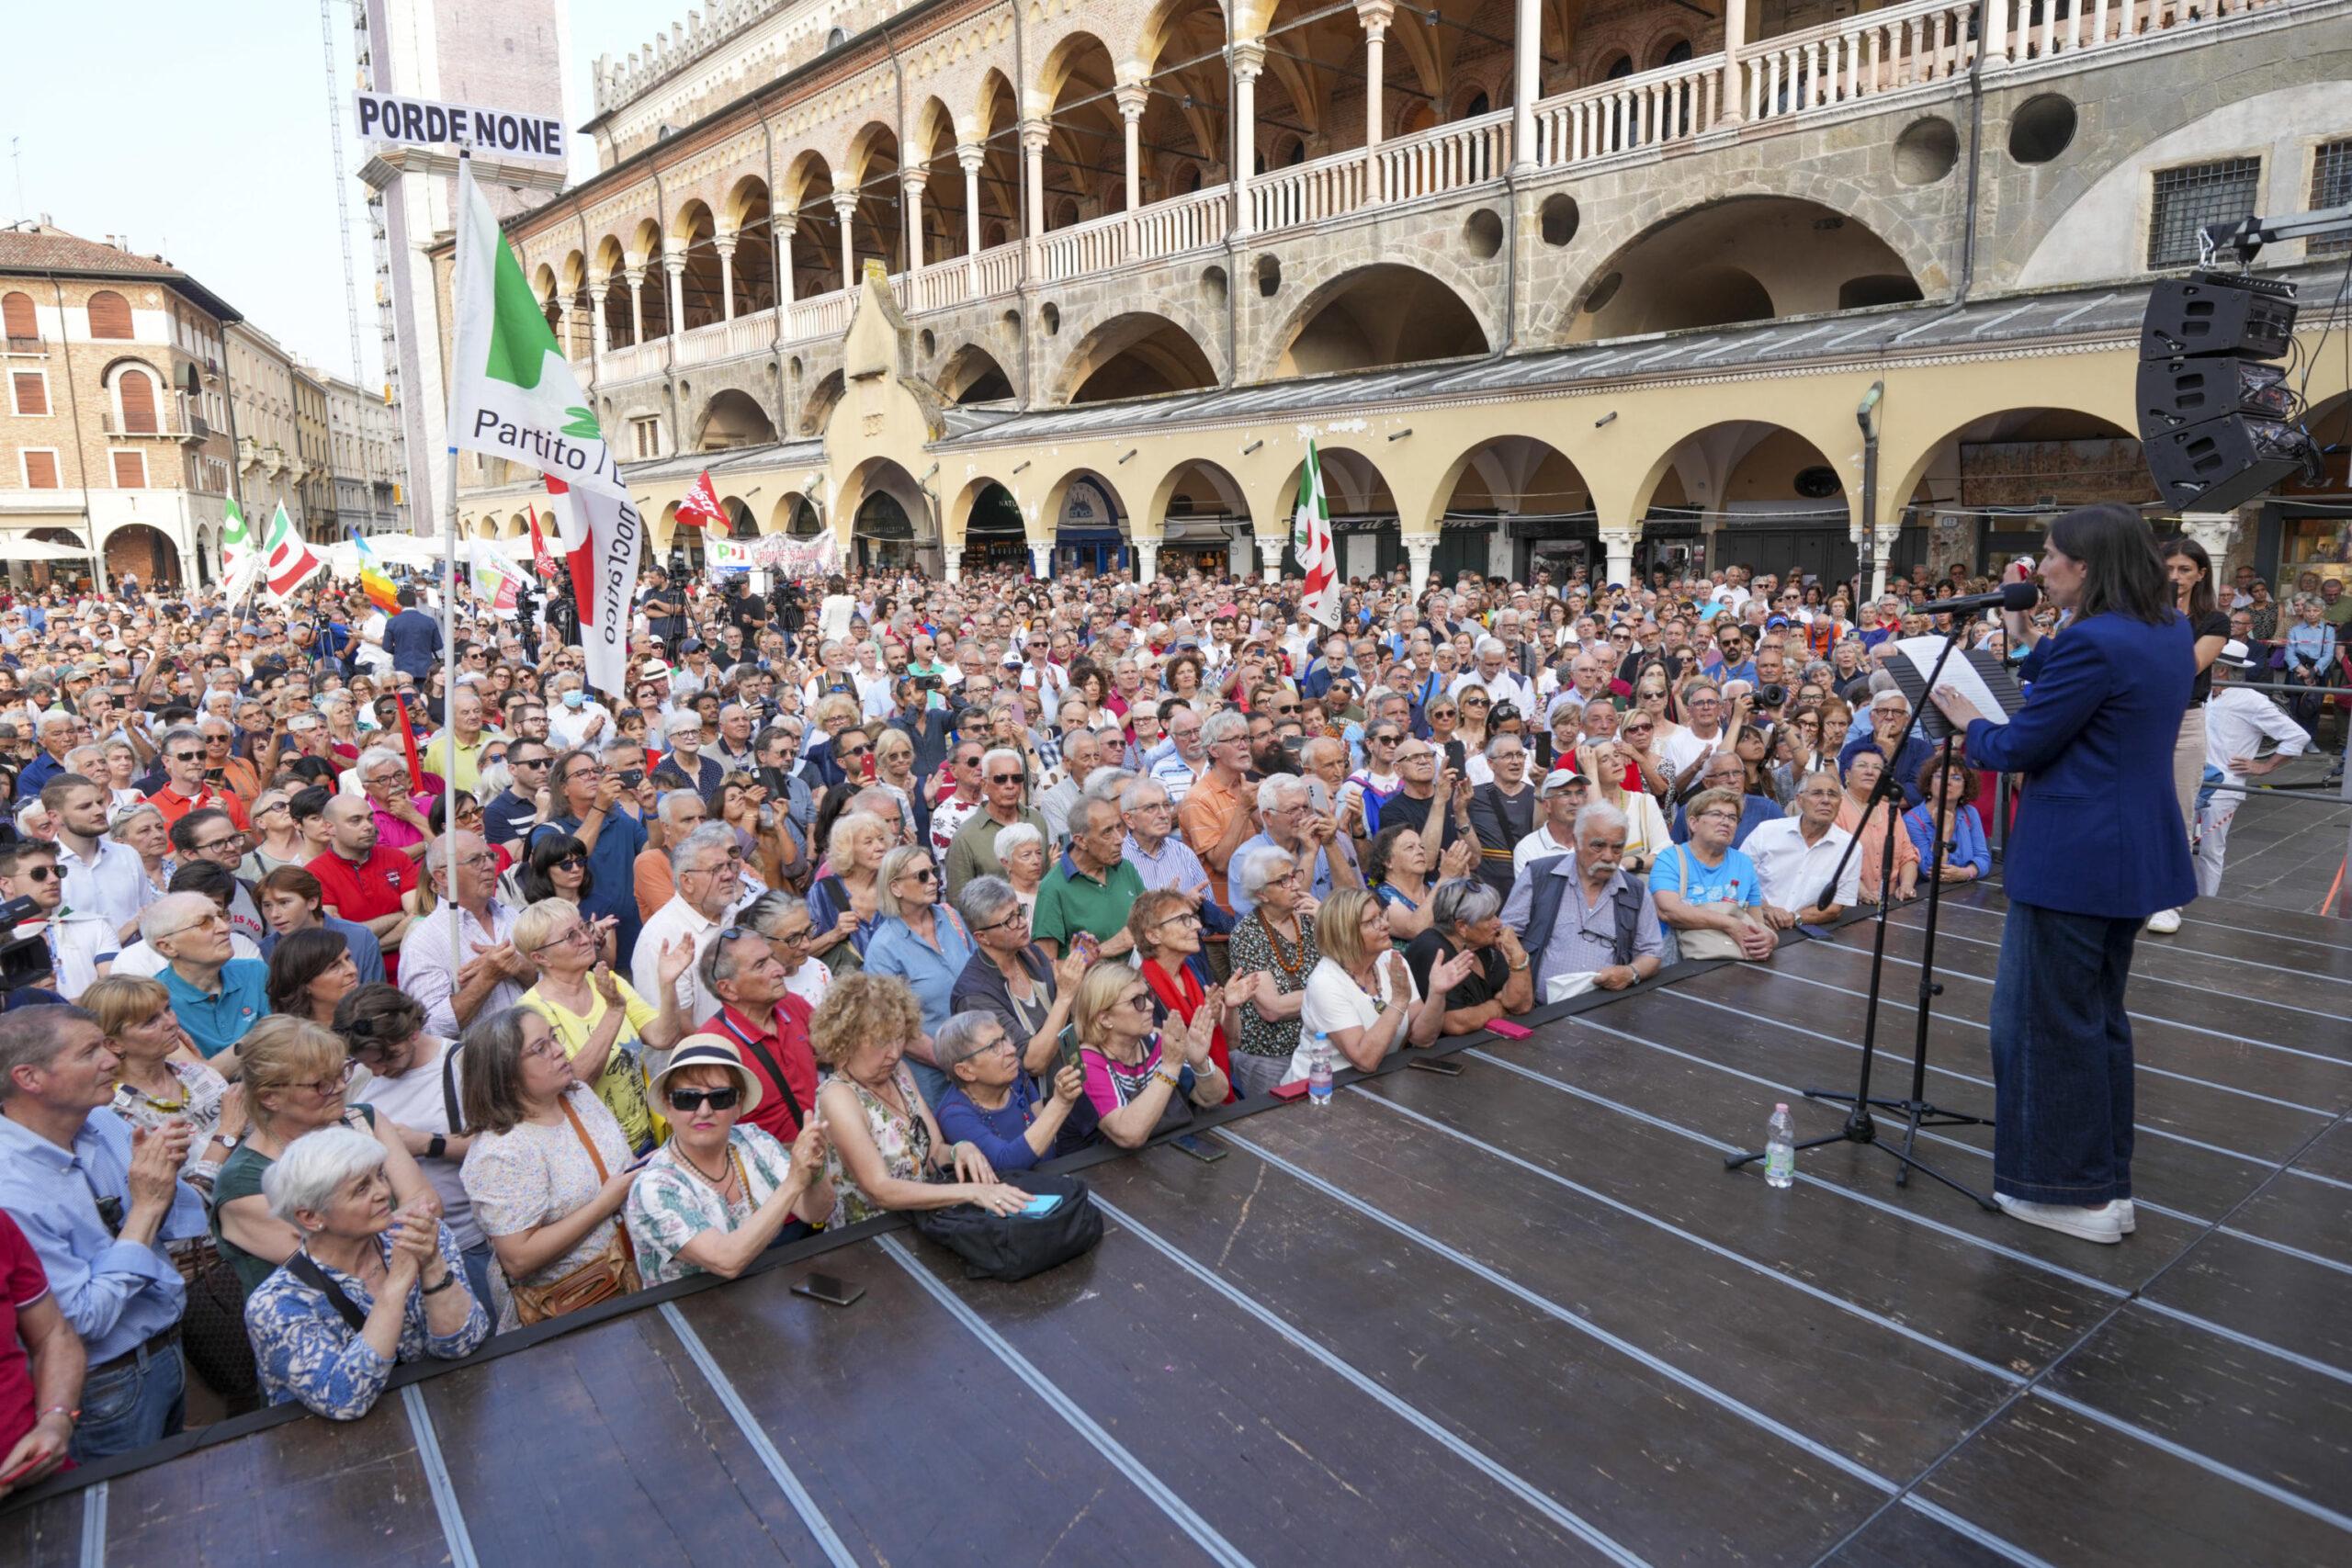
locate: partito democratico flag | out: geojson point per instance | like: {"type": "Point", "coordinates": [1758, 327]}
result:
{"type": "Point", "coordinates": [514, 395]}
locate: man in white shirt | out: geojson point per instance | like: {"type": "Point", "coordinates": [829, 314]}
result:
{"type": "Point", "coordinates": [1687, 749]}
{"type": "Point", "coordinates": [101, 877]}
{"type": "Point", "coordinates": [1494, 675]}
{"type": "Point", "coordinates": [2236, 719]}
{"type": "Point", "coordinates": [576, 718]}
{"type": "Point", "coordinates": [708, 868]}
{"type": "Point", "coordinates": [452, 986]}
{"type": "Point", "coordinates": [1795, 855]}
{"type": "Point", "coordinates": [1560, 797]}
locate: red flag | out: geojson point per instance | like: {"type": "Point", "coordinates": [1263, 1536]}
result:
{"type": "Point", "coordinates": [541, 561]}
{"type": "Point", "coordinates": [408, 744]}
{"type": "Point", "coordinates": [700, 509]}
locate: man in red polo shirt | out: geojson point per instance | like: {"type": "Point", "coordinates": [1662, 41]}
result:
{"type": "Point", "coordinates": [768, 1024]}
{"type": "Point", "coordinates": [363, 880]}
{"type": "Point", "coordinates": [185, 787]}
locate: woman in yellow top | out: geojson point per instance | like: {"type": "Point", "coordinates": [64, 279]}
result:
{"type": "Point", "coordinates": [598, 1020]}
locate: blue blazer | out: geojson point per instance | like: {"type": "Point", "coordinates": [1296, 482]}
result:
{"type": "Point", "coordinates": [2098, 827]}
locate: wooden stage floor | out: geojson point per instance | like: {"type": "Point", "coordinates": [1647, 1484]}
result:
{"type": "Point", "coordinates": [1522, 1315]}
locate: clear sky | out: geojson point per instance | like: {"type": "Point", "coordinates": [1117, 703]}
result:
{"type": "Point", "coordinates": [204, 136]}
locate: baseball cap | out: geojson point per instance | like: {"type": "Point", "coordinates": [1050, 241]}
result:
{"type": "Point", "coordinates": [1559, 779]}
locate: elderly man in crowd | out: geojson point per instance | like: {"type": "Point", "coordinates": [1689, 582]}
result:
{"type": "Point", "coordinates": [1296, 827]}
{"type": "Point", "coordinates": [482, 974]}
{"type": "Point", "coordinates": [186, 789]}
{"type": "Point", "coordinates": [217, 997]}
{"type": "Point", "coordinates": [1581, 917]}
{"type": "Point", "coordinates": [1794, 856]}
{"type": "Point", "coordinates": [1905, 750]}
{"type": "Point", "coordinates": [1558, 798]}
{"type": "Point", "coordinates": [100, 1204]}
{"type": "Point", "coordinates": [708, 866]}
{"type": "Point", "coordinates": [767, 1023]}
{"type": "Point", "coordinates": [973, 852]}
{"type": "Point", "coordinates": [1215, 812]}
{"type": "Point", "coordinates": [1154, 848]}
{"type": "Point", "coordinates": [1087, 894]}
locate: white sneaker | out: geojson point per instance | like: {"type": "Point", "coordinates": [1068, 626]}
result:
{"type": "Point", "coordinates": [2103, 1225]}
{"type": "Point", "coordinates": [2164, 922]}
{"type": "Point", "coordinates": [2130, 1215]}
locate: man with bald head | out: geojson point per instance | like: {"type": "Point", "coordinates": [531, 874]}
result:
{"type": "Point", "coordinates": [361, 879]}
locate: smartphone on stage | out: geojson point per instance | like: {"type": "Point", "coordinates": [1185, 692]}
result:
{"type": "Point", "coordinates": [828, 1289]}
{"type": "Point", "coordinates": [1440, 1065]}
{"type": "Point", "coordinates": [1508, 1030]}
{"type": "Point", "coordinates": [1297, 1090]}
{"type": "Point", "coordinates": [1200, 1148]}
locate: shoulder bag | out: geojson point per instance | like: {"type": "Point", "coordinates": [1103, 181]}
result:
{"type": "Point", "coordinates": [612, 1272]}
{"type": "Point", "coordinates": [1014, 1247]}
{"type": "Point", "coordinates": [1707, 942]}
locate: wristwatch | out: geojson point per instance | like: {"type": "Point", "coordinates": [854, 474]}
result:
{"type": "Point", "coordinates": [437, 1146]}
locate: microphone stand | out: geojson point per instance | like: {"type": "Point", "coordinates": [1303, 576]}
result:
{"type": "Point", "coordinates": [1915, 1111]}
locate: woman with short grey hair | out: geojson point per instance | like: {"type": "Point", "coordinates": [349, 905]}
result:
{"type": "Point", "coordinates": [1010, 976]}
{"type": "Point", "coordinates": [1275, 939]}
{"type": "Point", "coordinates": [368, 1287]}
{"type": "Point", "coordinates": [1020, 850]}
{"type": "Point", "coordinates": [991, 1103]}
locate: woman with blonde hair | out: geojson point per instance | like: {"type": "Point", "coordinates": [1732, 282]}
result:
{"type": "Point", "coordinates": [158, 1079]}
{"type": "Point", "coordinates": [1645, 827]}
{"type": "Point", "coordinates": [845, 903]}
{"type": "Point", "coordinates": [894, 770]}
{"type": "Point", "coordinates": [882, 1144]}
{"type": "Point", "coordinates": [1135, 1074]}
{"type": "Point", "coordinates": [294, 1074]}
{"type": "Point", "coordinates": [1361, 993]}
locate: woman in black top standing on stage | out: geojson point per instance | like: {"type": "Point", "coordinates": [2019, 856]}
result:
{"type": "Point", "coordinates": [2192, 570]}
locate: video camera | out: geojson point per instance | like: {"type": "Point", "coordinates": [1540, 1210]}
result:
{"type": "Point", "coordinates": [24, 961]}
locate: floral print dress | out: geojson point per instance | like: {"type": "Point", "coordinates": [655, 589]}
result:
{"type": "Point", "coordinates": [307, 1353]}
{"type": "Point", "coordinates": [904, 1142]}
{"type": "Point", "coordinates": [671, 1205]}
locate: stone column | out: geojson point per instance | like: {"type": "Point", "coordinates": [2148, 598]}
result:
{"type": "Point", "coordinates": [1888, 536]}
{"type": "Point", "coordinates": [1419, 548]}
{"type": "Point", "coordinates": [1034, 135]}
{"type": "Point", "coordinates": [787, 226]}
{"type": "Point", "coordinates": [1133, 97]}
{"type": "Point", "coordinates": [1376, 16]}
{"type": "Point", "coordinates": [1246, 59]}
{"type": "Point", "coordinates": [1997, 32]}
{"type": "Point", "coordinates": [1617, 542]}
{"type": "Point", "coordinates": [597, 334]}
{"type": "Point", "coordinates": [636, 276]}
{"type": "Point", "coordinates": [1147, 553]}
{"type": "Point", "coordinates": [1732, 105]}
{"type": "Point", "coordinates": [2217, 531]}
{"type": "Point", "coordinates": [1041, 560]}
{"type": "Point", "coordinates": [564, 330]}
{"type": "Point", "coordinates": [911, 185]}
{"type": "Point", "coordinates": [1526, 56]}
{"type": "Point", "coordinates": [1237, 556]}
{"type": "Point", "coordinates": [954, 556]}
{"type": "Point", "coordinates": [845, 208]}
{"type": "Point", "coordinates": [673, 270]}
{"type": "Point", "coordinates": [724, 245]}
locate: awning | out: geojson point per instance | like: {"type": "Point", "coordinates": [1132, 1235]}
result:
{"type": "Point", "coordinates": [24, 547]}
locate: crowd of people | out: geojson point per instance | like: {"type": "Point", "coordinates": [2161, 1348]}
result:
{"type": "Point", "coordinates": [339, 1036]}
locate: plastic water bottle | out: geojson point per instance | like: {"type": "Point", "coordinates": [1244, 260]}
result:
{"type": "Point", "coordinates": [1318, 1070]}
{"type": "Point", "coordinates": [1780, 1148]}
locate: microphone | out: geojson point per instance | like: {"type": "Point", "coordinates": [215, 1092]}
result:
{"type": "Point", "coordinates": [2018, 596]}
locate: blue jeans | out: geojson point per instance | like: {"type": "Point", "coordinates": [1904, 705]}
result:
{"type": "Point", "coordinates": [2061, 1057]}
{"type": "Point", "coordinates": [141, 1399]}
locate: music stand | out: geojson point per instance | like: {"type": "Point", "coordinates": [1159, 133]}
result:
{"type": "Point", "coordinates": [1915, 1110]}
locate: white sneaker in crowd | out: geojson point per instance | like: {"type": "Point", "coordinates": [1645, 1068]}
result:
{"type": "Point", "coordinates": [2103, 1225]}
{"type": "Point", "coordinates": [2164, 922]}
{"type": "Point", "coordinates": [2130, 1216]}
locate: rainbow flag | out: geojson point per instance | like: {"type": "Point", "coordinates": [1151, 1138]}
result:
{"type": "Point", "coordinates": [372, 580]}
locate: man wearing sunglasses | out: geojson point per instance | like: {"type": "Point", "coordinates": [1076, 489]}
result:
{"type": "Point", "coordinates": [185, 787]}
{"type": "Point", "coordinates": [81, 947]}
{"type": "Point", "coordinates": [972, 853]}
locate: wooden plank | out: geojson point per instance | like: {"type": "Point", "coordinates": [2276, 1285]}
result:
{"type": "Point", "coordinates": [2282, 1074]}
{"type": "Point", "coordinates": [2330, 1153]}
{"type": "Point", "coordinates": [1905, 1538]}
{"type": "Point", "coordinates": [312, 1490]}
{"type": "Point", "coordinates": [2238, 1406]}
{"type": "Point", "coordinates": [44, 1535]}
{"type": "Point", "coordinates": [1790, 1062]}
{"type": "Point", "coordinates": [1663, 1472]}
{"type": "Point", "coordinates": [2236, 1011]}
{"type": "Point", "coordinates": [2311, 1217]}
{"type": "Point", "coordinates": [2069, 1490]}
{"type": "Point", "coordinates": [2325, 930]}
{"type": "Point", "coordinates": [2198, 945]}
{"type": "Point", "coordinates": [913, 1439]}
{"type": "Point", "coordinates": [2278, 1299]}
{"type": "Point", "coordinates": [2223, 925]}
{"type": "Point", "coordinates": [1290, 1462]}
{"type": "Point", "coordinates": [2005, 1312]}
{"type": "Point", "coordinates": [608, 1435]}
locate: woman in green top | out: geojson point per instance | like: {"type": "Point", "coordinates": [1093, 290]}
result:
{"type": "Point", "coordinates": [599, 1020]}
{"type": "Point", "coordinates": [294, 1074]}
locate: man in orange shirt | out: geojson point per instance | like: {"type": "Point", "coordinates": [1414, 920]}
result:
{"type": "Point", "coordinates": [1217, 815]}
{"type": "Point", "coordinates": [185, 789]}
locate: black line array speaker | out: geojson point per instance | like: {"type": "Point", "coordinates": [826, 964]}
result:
{"type": "Point", "coordinates": [2217, 423]}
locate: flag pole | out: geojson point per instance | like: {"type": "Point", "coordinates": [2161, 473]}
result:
{"type": "Point", "coordinates": [449, 622]}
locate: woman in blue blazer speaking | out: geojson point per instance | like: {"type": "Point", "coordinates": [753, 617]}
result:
{"type": "Point", "coordinates": [2096, 850]}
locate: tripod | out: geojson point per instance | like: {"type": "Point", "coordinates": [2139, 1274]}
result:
{"type": "Point", "coordinates": [1915, 1111]}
